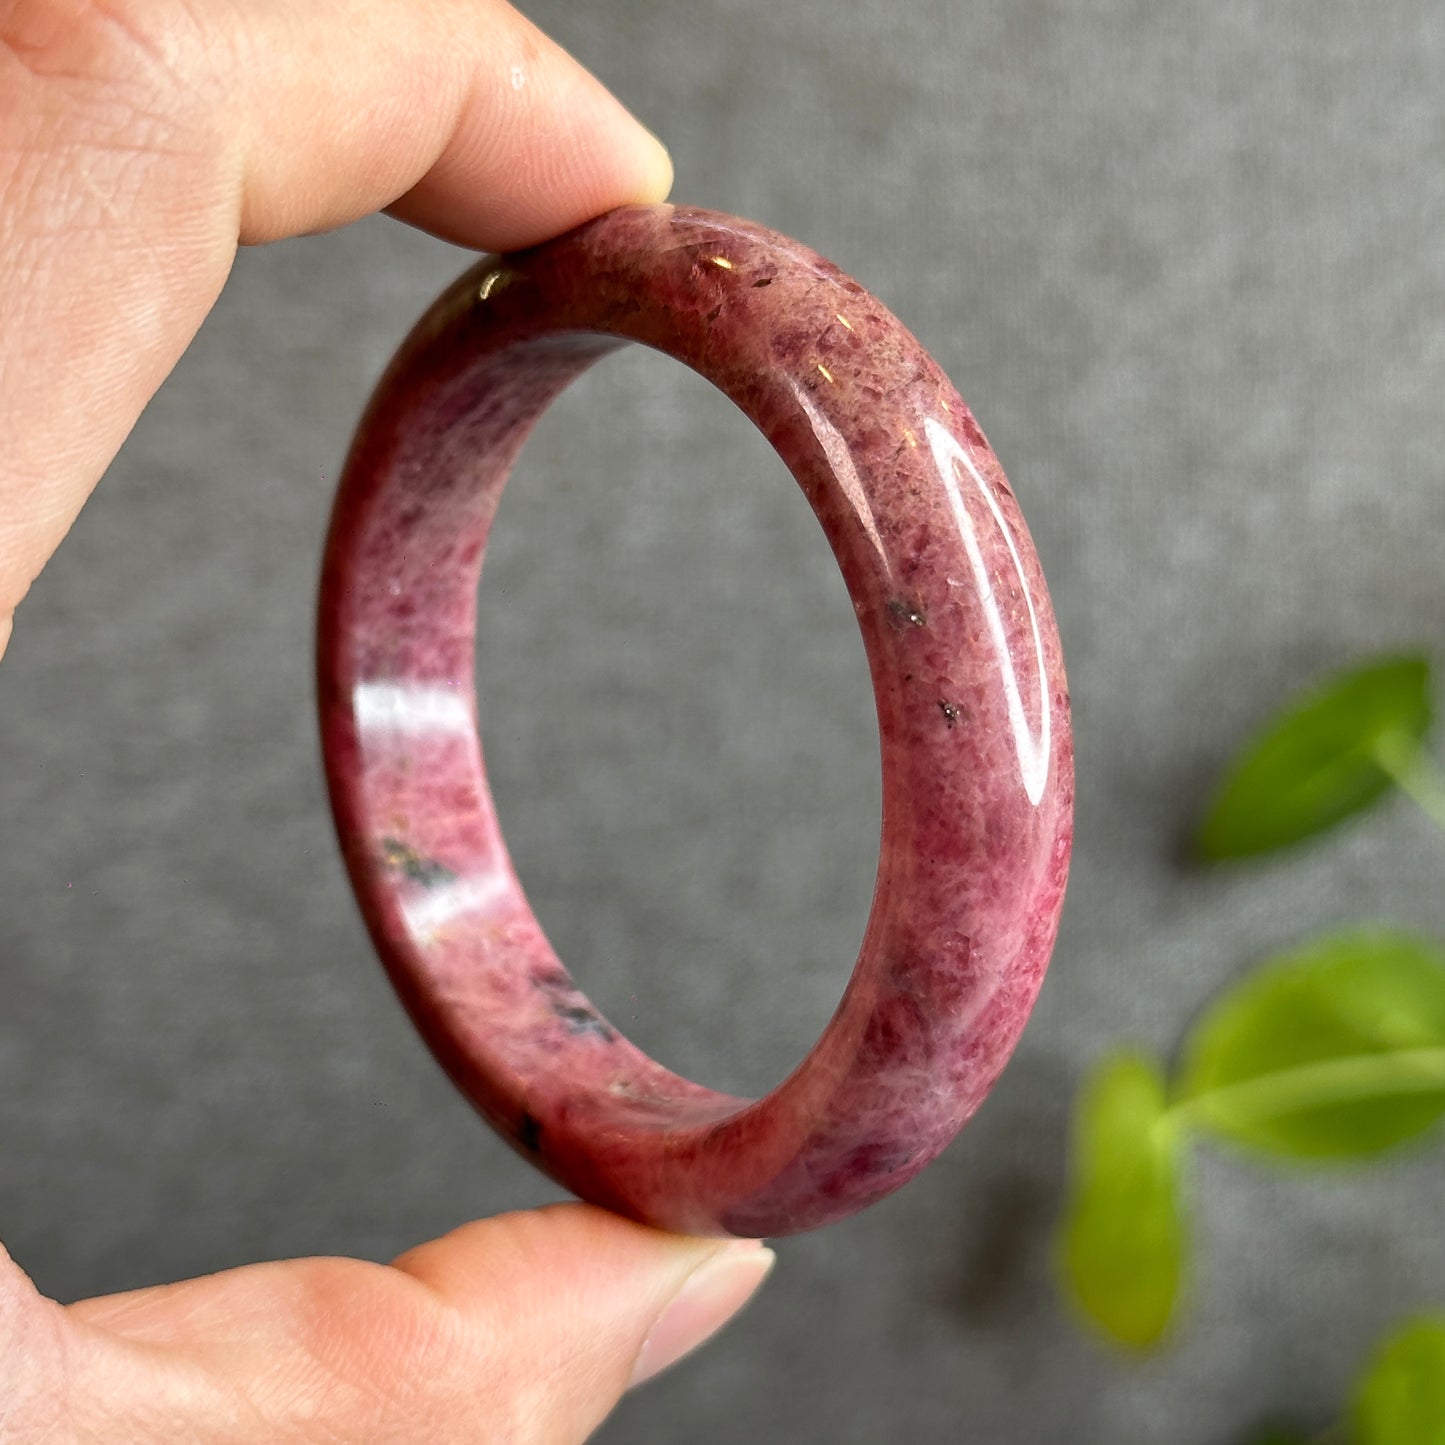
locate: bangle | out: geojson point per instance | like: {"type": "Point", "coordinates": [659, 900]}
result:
{"type": "Point", "coordinates": [966, 668]}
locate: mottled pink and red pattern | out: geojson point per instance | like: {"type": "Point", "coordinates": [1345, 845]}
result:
{"type": "Point", "coordinates": [965, 661]}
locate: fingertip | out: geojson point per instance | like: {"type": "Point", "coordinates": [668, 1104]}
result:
{"type": "Point", "coordinates": [562, 1246]}
{"type": "Point", "coordinates": [631, 160]}
{"type": "Point", "coordinates": [590, 1304]}
{"type": "Point", "coordinates": [526, 164]}
{"type": "Point", "coordinates": [712, 1295]}
{"type": "Point", "coordinates": [460, 117]}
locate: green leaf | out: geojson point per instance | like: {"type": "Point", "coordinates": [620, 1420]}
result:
{"type": "Point", "coordinates": [1335, 1049]}
{"type": "Point", "coordinates": [1401, 1399]}
{"type": "Point", "coordinates": [1122, 1243]}
{"type": "Point", "coordinates": [1319, 760]}
{"type": "Point", "coordinates": [1279, 1435]}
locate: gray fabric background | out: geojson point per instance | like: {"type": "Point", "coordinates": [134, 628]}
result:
{"type": "Point", "coordinates": [1185, 260]}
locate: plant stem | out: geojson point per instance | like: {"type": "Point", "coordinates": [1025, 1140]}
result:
{"type": "Point", "coordinates": [1312, 1086]}
{"type": "Point", "coordinates": [1415, 773]}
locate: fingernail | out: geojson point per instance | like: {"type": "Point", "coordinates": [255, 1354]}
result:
{"type": "Point", "coordinates": [710, 1296]}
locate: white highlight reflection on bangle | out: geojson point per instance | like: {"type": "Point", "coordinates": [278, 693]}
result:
{"type": "Point", "coordinates": [840, 458]}
{"type": "Point", "coordinates": [425, 915]}
{"type": "Point", "coordinates": [1032, 746]}
{"type": "Point", "coordinates": [409, 708]}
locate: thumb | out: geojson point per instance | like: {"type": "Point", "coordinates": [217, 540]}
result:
{"type": "Point", "coordinates": [526, 1329]}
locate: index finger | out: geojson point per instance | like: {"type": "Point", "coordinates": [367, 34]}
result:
{"type": "Point", "coordinates": [142, 140]}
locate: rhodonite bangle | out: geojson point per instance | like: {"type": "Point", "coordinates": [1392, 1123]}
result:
{"type": "Point", "coordinates": [965, 665]}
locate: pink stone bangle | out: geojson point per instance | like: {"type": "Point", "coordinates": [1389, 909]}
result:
{"type": "Point", "coordinates": [966, 668]}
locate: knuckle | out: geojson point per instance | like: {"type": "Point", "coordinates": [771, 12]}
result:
{"type": "Point", "coordinates": [383, 1356]}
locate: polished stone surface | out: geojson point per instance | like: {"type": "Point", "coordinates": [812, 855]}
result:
{"type": "Point", "coordinates": [967, 674]}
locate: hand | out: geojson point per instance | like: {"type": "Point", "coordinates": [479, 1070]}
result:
{"type": "Point", "coordinates": [140, 142]}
